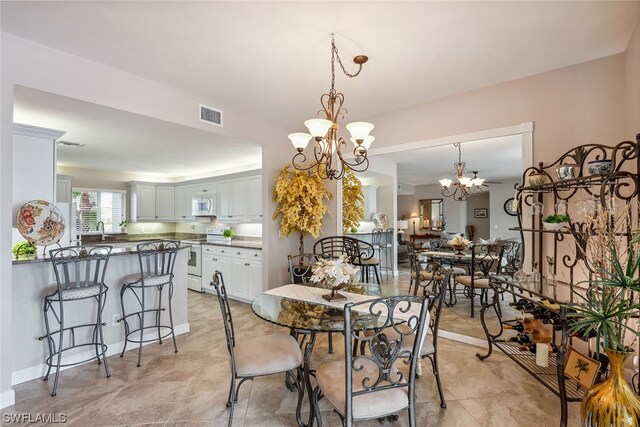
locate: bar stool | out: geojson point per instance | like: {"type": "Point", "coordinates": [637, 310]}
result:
{"type": "Point", "coordinates": [79, 272]}
{"type": "Point", "coordinates": [156, 271]}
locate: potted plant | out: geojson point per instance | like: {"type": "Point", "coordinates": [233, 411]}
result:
{"type": "Point", "coordinates": [24, 250]}
{"type": "Point", "coordinates": [300, 203]}
{"type": "Point", "coordinates": [606, 311]}
{"type": "Point", "coordinates": [228, 234]}
{"type": "Point", "coordinates": [555, 222]}
{"type": "Point", "coordinates": [123, 225]}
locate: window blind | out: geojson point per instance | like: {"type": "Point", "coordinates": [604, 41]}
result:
{"type": "Point", "coordinates": [94, 206]}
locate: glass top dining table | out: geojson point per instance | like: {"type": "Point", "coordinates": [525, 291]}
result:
{"type": "Point", "coordinates": [297, 307]}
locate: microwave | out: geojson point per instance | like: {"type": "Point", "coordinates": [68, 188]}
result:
{"type": "Point", "coordinates": [204, 205]}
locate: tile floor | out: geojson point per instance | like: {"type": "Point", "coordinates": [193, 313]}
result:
{"type": "Point", "coordinates": [190, 388]}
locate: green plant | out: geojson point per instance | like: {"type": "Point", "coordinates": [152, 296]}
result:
{"type": "Point", "coordinates": [300, 203]}
{"type": "Point", "coordinates": [352, 201]}
{"type": "Point", "coordinates": [123, 223]}
{"type": "Point", "coordinates": [612, 298]}
{"type": "Point", "coordinates": [228, 233]}
{"type": "Point", "coordinates": [23, 249]}
{"type": "Point", "coordinates": [556, 219]}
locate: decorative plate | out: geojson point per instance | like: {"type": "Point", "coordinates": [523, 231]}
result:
{"type": "Point", "coordinates": [380, 220]}
{"type": "Point", "coordinates": [40, 222]}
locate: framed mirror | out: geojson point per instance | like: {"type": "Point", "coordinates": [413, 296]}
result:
{"type": "Point", "coordinates": [430, 211]}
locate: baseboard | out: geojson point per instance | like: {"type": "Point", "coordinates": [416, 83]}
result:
{"type": "Point", "coordinates": [7, 398]}
{"type": "Point", "coordinates": [38, 371]}
{"type": "Point", "coordinates": [463, 338]}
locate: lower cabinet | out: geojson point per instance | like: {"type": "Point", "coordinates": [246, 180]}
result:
{"type": "Point", "coordinates": [240, 268]}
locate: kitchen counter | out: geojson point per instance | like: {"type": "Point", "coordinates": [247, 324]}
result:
{"type": "Point", "coordinates": [245, 244]}
{"type": "Point", "coordinates": [133, 249]}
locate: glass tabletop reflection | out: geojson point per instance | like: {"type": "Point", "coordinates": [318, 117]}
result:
{"type": "Point", "coordinates": [302, 315]}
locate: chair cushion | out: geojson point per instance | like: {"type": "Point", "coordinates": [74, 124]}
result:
{"type": "Point", "coordinates": [477, 283]}
{"type": "Point", "coordinates": [371, 261]}
{"type": "Point", "coordinates": [427, 275]}
{"type": "Point", "coordinates": [458, 270]}
{"type": "Point", "coordinates": [76, 293]}
{"type": "Point", "coordinates": [331, 379]}
{"type": "Point", "coordinates": [134, 280]}
{"type": "Point", "coordinates": [267, 355]}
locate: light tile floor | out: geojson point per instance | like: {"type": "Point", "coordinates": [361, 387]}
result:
{"type": "Point", "coordinates": [190, 388]}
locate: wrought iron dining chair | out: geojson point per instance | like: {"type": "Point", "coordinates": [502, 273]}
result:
{"type": "Point", "coordinates": [256, 357]}
{"type": "Point", "coordinates": [80, 273]}
{"type": "Point", "coordinates": [361, 254]}
{"type": "Point", "coordinates": [373, 385]}
{"type": "Point", "coordinates": [485, 259]}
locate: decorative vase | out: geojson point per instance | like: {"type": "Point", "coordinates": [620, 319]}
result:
{"type": "Point", "coordinates": [458, 249]}
{"type": "Point", "coordinates": [613, 402]}
{"type": "Point", "coordinates": [599, 167]}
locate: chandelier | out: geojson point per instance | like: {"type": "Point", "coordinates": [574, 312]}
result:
{"type": "Point", "coordinates": [463, 186]}
{"type": "Point", "coordinates": [330, 161]}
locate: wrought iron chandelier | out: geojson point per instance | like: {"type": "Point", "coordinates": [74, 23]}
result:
{"type": "Point", "coordinates": [330, 162]}
{"type": "Point", "coordinates": [463, 186]}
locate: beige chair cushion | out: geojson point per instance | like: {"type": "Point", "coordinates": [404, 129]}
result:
{"type": "Point", "coordinates": [477, 283]}
{"type": "Point", "coordinates": [75, 293]}
{"type": "Point", "coordinates": [458, 271]}
{"type": "Point", "coordinates": [266, 355]}
{"type": "Point", "coordinates": [408, 340]}
{"type": "Point", "coordinates": [371, 261]}
{"type": "Point", "coordinates": [331, 379]}
{"type": "Point", "coordinates": [427, 275]}
{"type": "Point", "coordinates": [134, 280]}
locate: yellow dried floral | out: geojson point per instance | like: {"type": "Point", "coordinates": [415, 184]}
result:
{"type": "Point", "coordinates": [352, 201]}
{"type": "Point", "coordinates": [300, 199]}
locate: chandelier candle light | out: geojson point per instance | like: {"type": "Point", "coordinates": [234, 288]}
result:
{"type": "Point", "coordinates": [330, 162]}
{"type": "Point", "coordinates": [463, 186]}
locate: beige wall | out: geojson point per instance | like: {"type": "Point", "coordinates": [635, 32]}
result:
{"type": "Point", "coordinates": [482, 225]}
{"type": "Point", "coordinates": [581, 104]}
{"type": "Point", "coordinates": [632, 63]}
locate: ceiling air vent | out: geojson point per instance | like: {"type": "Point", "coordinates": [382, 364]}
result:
{"type": "Point", "coordinates": [210, 115]}
{"type": "Point", "coordinates": [70, 144]}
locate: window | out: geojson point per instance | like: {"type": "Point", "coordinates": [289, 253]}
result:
{"type": "Point", "coordinates": [93, 206]}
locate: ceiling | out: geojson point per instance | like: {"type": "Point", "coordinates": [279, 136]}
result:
{"type": "Point", "coordinates": [121, 141]}
{"type": "Point", "coordinates": [271, 59]}
{"type": "Point", "coordinates": [495, 159]}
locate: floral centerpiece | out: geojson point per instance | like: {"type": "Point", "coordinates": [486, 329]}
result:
{"type": "Point", "coordinates": [459, 244]}
{"type": "Point", "coordinates": [336, 274]}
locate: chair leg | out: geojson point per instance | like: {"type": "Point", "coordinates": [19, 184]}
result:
{"type": "Point", "coordinates": [158, 313]}
{"type": "Point", "coordinates": [330, 343]}
{"type": "Point", "coordinates": [48, 336]}
{"type": "Point", "coordinates": [141, 328]}
{"type": "Point", "coordinates": [231, 403]}
{"type": "Point", "coordinates": [101, 302]}
{"type": "Point", "coordinates": [173, 333]}
{"type": "Point", "coordinates": [124, 320]}
{"type": "Point", "coordinates": [316, 407]}
{"type": "Point", "coordinates": [60, 347]}
{"type": "Point", "coordinates": [375, 270]}
{"type": "Point", "coordinates": [473, 294]}
{"type": "Point", "coordinates": [436, 373]}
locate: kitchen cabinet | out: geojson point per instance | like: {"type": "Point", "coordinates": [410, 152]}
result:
{"type": "Point", "coordinates": [254, 198]}
{"type": "Point", "coordinates": [165, 201]}
{"type": "Point", "coordinates": [224, 200]}
{"type": "Point", "coordinates": [63, 189]}
{"type": "Point", "coordinates": [182, 208]}
{"type": "Point", "coordinates": [143, 201]}
{"type": "Point", "coordinates": [238, 198]}
{"type": "Point", "coordinates": [241, 269]}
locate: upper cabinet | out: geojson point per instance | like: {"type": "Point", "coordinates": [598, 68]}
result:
{"type": "Point", "coordinates": [254, 198]}
{"type": "Point", "coordinates": [63, 188]}
{"type": "Point", "coordinates": [236, 199]}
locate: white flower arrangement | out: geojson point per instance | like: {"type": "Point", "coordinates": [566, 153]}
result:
{"type": "Point", "coordinates": [333, 272]}
{"type": "Point", "coordinates": [460, 241]}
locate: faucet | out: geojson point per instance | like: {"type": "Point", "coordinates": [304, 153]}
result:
{"type": "Point", "coordinates": [100, 229]}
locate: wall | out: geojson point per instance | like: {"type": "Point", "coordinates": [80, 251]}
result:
{"type": "Point", "coordinates": [632, 69]}
{"type": "Point", "coordinates": [500, 220]}
{"type": "Point", "coordinates": [482, 225]}
{"type": "Point", "coordinates": [581, 104]}
{"type": "Point", "coordinates": [455, 212]}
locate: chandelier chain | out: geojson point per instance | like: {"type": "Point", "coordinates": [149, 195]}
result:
{"type": "Point", "coordinates": [336, 56]}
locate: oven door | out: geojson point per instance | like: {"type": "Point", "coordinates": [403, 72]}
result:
{"type": "Point", "coordinates": [194, 266]}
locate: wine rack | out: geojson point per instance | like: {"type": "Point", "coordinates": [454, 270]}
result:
{"type": "Point", "coordinates": [620, 185]}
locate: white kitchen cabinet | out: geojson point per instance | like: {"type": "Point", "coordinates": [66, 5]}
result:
{"type": "Point", "coordinates": [254, 198]}
{"type": "Point", "coordinates": [182, 208]}
{"type": "Point", "coordinates": [165, 201]}
{"type": "Point", "coordinates": [241, 269]}
{"type": "Point", "coordinates": [144, 202]}
{"type": "Point", "coordinates": [63, 188]}
{"type": "Point", "coordinates": [238, 199]}
{"type": "Point", "coordinates": [224, 200]}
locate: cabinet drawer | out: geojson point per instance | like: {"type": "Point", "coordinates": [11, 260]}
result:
{"type": "Point", "coordinates": [217, 250]}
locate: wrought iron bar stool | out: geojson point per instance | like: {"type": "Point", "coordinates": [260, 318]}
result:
{"type": "Point", "coordinates": [156, 272]}
{"type": "Point", "coordinates": [79, 272]}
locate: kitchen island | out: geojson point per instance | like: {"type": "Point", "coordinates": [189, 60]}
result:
{"type": "Point", "coordinates": [33, 279]}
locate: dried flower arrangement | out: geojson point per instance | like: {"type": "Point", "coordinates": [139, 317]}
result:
{"type": "Point", "coordinates": [352, 201]}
